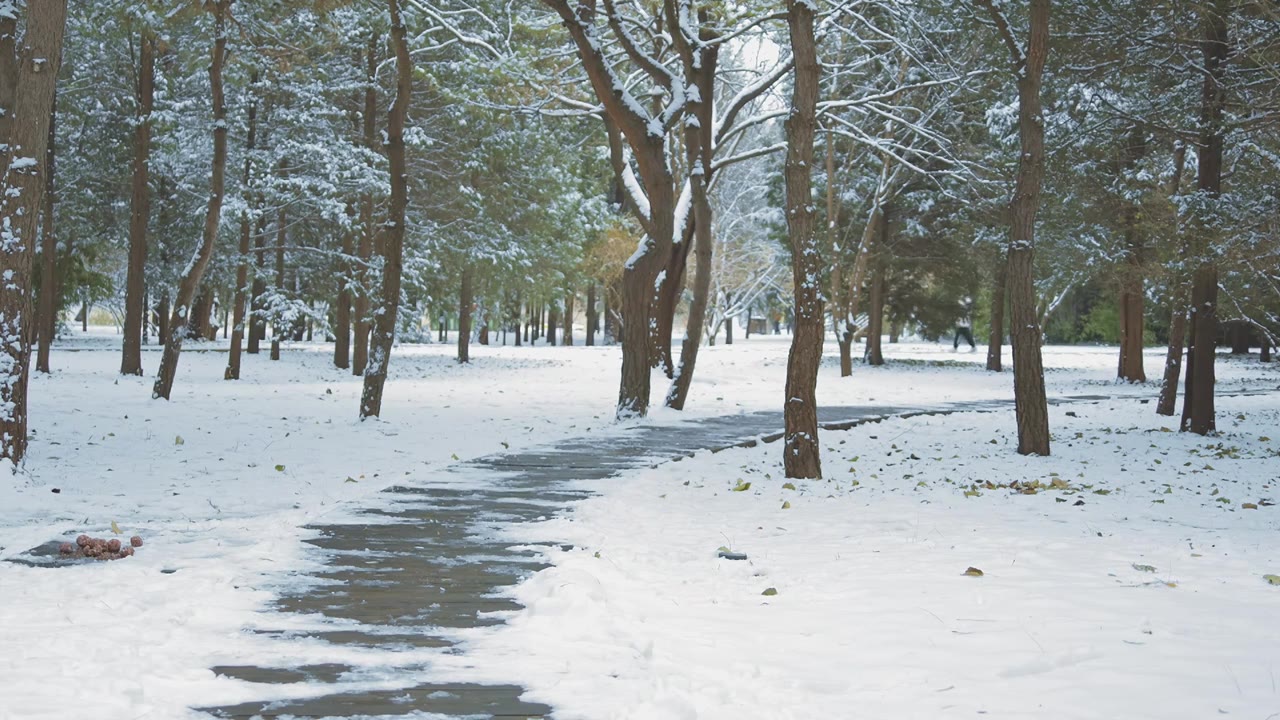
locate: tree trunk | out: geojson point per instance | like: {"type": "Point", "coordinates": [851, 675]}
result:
{"type": "Point", "coordinates": [568, 318]}
{"type": "Point", "coordinates": [26, 94]}
{"type": "Point", "coordinates": [1239, 338]}
{"type": "Point", "coordinates": [995, 333]}
{"type": "Point", "coordinates": [342, 311]}
{"type": "Point", "coordinates": [728, 329]}
{"type": "Point", "coordinates": [552, 320]}
{"type": "Point", "coordinates": [800, 407]}
{"type": "Point", "coordinates": [875, 314]}
{"type": "Point", "coordinates": [895, 331]}
{"type": "Point", "coordinates": [1173, 357]}
{"type": "Point", "coordinates": [47, 316]}
{"type": "Point", "coordinates": [392, 235]}
{"type": "Point", "coordinates": [360, 352]}
{"type": "Point", "coordinates": [282, 236]}
{"type": "Point", "coordinates": [698, 153]}
{"type": "Point", "coordinates": [190, 279]}
{"type": "Point", "coordinates": [162, 319]}
{"type": "Point", "coordinates": [258, 323]}
{"type": "Point", "coordinates": [139, 210]}
{"type": "Point", "coordinates": [1132, 299]}
{"type": "Point", "coordinates": [593, 320]}
{"type": "Point", "coordinates": [1264, 352]}
{"type": "Point", "coordinates": [1198, 400]}
{"type": "Point", "coordinates": [1028, 366]}
{"type": "Point", "coordinates": [246, 231]}
{"type": "Point", "coordinates": [464, 317]}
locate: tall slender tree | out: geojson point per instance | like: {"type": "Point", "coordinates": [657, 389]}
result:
{"type": "Point", "coordinates": [189, 281]}
{"type": "Point", "coordinates": [800, 452]}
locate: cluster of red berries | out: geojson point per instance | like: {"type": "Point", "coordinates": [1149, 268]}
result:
{"type": "Point", "coordinates": [100, 549]}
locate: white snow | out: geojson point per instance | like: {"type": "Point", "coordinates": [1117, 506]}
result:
{"type": "Point", "coordinates": [871, 613]}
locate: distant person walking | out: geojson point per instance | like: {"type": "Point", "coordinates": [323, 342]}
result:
{"type": "Point", "coordinates": [964, 326]}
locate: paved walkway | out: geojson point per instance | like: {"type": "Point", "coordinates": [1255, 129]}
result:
{"type": "Point", "coordinates": [425, 565]}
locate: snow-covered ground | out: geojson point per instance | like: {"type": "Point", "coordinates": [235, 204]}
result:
{"type": "Point", "coordinates": [1130, 584]}
{"type": "Point", "coordinates": [220, 479]}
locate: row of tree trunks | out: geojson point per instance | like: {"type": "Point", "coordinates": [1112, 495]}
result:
{"type": "Point", "coordinates": [392, 235]}
{"type": "Point", "coordinates": [800, 407]}
{"type": "Point", "coordinates": [1198, 399]}
{"type": "Point", "coordinates": [28, 78]}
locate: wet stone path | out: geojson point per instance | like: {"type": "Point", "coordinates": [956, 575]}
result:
{"type": "Point", "coordinates": [423, 564]}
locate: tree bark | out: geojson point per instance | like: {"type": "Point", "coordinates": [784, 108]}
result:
{"type": "Point", "coordinates": [1132, 298]}
{"type": "Point", "coordinates": [1178, 299]}
{"type": "Point", "coordinates": [282, 236]}
{"type": "Point", "coordinates": [342, 311]}
{"type": "Point", "coordinates": [26, 95]}
{"type": "Point", "coordinates": [593, 320]}
{"type": "Point", "coordinates": [1028, 365]}
{"type": "Point", "coordinates": [875, 314]}
{"type": "Point", "coordinates": [1198, 400]}
{"type": "Point", "coordinates": [190, 279]}
{"type": "Point", "coordinates": [699, 65]}
{"type": "Point", "coordinates": [465, 300]}
{"type": "Point", "coordinates": [568, 318]}
{"type": "Point", "coordinates": [552, 320]}
{"type": "Point", "coordinates": [246, 231]}
{"type": "Point", "coordinates": [392, 235]}
{"type": "Point", "coordinates": [47, 316]}
{"type": "Point", "coordinates": [139, 210]}
{"type": "Point", "coordinates": [995, 334]}
{"type": "Point", "coordinates": [360, 353]}
{"type": "Point", "coordinates": [800, 409]}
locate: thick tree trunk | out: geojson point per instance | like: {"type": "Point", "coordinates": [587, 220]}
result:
{"type": "Point", "coordinates": [190, 279]}
{"type": "Point", "coordinates": [593, 320]}
{"type": "Point", "coordinates": [1264, 352]}
{"type": "Point", "coordinates": [800, 407]}
{"type": "Point", "coordinates": [139, 210]}
{"type": "Point", "coordinates": [26, 95]}
{"type": "Point", "coordinates": [1028, 366]}
{"type": "Point", "coordinates": [246, 231]}
{"type": "Point", "coordinates": [1198, 400]}
{"type": "Point", "coordinates": [360, 351]}
{"type": "Point", "coordinates": [47, 316]}
{"type": "Point", "coordinates": [392, 235]}
{"type": "Point", "coordinates": [728, 329]}
{"type": "Point", "coordinates": [875, 315]}
{"type": "Point", "coordinates": [465, 301]}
